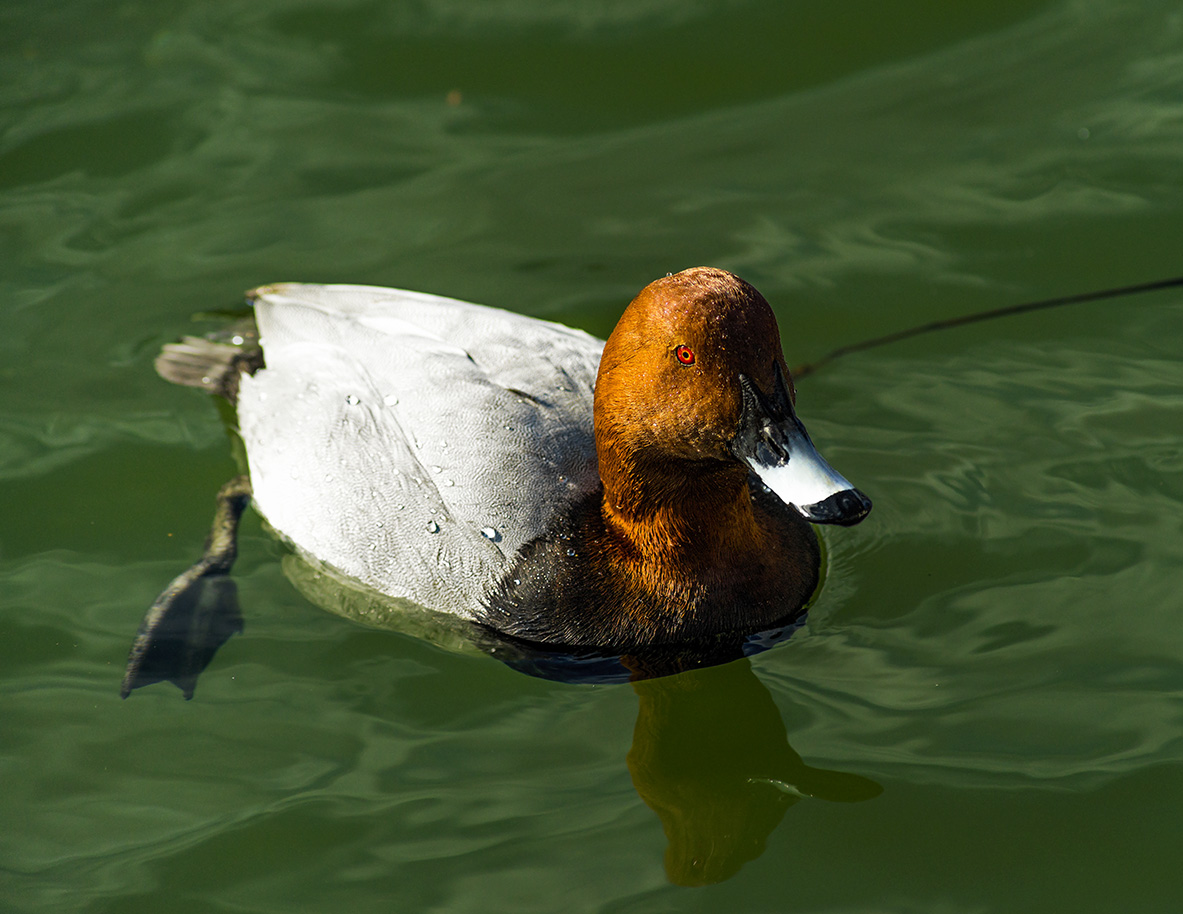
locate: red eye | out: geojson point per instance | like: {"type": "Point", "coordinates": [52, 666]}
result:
{"type": "Point", "coordinates": [685, 355]}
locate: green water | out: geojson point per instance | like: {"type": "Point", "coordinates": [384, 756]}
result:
{"type": "Point", "coordinates": [985, 709]}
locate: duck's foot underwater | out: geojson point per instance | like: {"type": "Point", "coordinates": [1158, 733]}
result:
{"type": "Point", "coordinates": [198, 612]}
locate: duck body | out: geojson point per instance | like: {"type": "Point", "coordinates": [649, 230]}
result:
{"type": "Point", "coordinates": [533, 479]}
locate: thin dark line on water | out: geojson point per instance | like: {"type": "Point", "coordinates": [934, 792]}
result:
{"type": "Point", "coordinates": [809, 368]}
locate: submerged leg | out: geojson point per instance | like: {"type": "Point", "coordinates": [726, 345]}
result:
{"type": "Point", "coordinates": [198, 612]}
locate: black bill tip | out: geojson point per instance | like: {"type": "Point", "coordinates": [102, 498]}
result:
{"type": "Point", "coordinates": [845, 508]}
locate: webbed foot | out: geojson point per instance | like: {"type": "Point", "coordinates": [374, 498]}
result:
{"type": "Point", "coordinates": [198, 612]}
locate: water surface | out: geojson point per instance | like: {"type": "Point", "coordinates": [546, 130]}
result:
{"type": "Point", "coordinates": [983, 712]}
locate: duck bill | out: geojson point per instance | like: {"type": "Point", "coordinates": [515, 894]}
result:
{"type": "Point", "coordinates": [774, 444]}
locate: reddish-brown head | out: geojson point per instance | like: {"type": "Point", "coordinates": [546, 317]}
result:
{"type": "Point", "coordinates": [667, 388]}
{"type": "Point", "coordinates": [693, 393]}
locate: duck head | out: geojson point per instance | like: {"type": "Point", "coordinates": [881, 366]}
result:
{"type": "Point", "coordinates": [693, 394]}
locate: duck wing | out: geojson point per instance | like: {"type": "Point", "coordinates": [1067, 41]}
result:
{"type": "Point", "coordinates": [415, 442]}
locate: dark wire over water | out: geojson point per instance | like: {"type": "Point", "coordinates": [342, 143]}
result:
{"type": "Point", "coordinates": [809, 368]}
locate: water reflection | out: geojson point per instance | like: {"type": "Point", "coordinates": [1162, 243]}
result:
{"type": "Point", "coordinates": [710, 754]}
{"type": "Point", "coordinates": [711, 757]}
{"type": "Point", "coordinates": [652, 662]}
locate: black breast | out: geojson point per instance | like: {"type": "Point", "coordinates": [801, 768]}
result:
{"type": "Point", "coordinates": [562, 591]}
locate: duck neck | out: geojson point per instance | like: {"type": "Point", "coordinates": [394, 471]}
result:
{"type": "Point", "coordinates": [680, 517]}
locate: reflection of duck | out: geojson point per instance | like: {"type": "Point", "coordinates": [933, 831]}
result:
{"type": "Point", "coordinates": [710, 756]}
{"type": "Point", "coordinates": [444, 454]}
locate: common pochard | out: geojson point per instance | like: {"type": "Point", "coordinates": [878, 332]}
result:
{"type": "Point", "coordinates": [654, 489]}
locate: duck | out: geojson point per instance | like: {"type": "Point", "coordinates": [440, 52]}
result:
{"type": "Point", "coordinates": [654, 488]}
